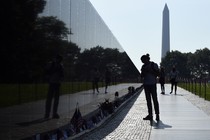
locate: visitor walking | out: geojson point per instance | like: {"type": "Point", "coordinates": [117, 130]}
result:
{"type": "Point", "coordinates": [95, 80]}
{"type": "Point", "coordinates": [107, 79]}
{"type": "Point", "coordinates": [173, 79]}
{"type": "Point", "coordinates": [162, 80]}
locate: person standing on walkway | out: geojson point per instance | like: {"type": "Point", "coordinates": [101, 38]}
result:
{"type": "Point", "coordinates": [95, 80]}
{"type": "Point", "coordinates": [149, 73]}
{"type": "Point", "coordinates": [107, 79]}
{"type": "Point", "coordinates": [162, 80]}
{"type": "Point", "coordinates": [173, 79]}
{"type": "Point", "coordinates": [55, 74]}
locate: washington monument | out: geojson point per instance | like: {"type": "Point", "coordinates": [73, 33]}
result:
{"type": "Point", "coordinates": [165, 32]}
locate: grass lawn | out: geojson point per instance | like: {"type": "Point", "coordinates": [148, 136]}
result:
{"type": "Point", "coordinates": [200, 89]}
{"type": "Point", "coordinates": [13, 94]}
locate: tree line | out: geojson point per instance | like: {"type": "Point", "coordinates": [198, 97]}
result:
{"type": "Point", "coordinates": [190, 65]}
{"type": "Point", "coordinates": [29, 42]}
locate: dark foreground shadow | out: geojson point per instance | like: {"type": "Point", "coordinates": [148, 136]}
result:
{"type": "Point", "coordinates": [41, 120]}
{"type": "Point", "coordinates": [160, 125]}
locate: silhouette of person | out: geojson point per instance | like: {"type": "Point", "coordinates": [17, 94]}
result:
{"type": "Point", "coordinates": [162, 80]}
{"type": "Point", "coordinates": [173, 79]}
{"type": "Point", "coordinates": [107, 79]}
{"type": "Point", "coordinates": [149, 71]}
{"type": "Point", "coordinates": [95, 80]}
{"type": "Point", "coordinates": [55, 74]}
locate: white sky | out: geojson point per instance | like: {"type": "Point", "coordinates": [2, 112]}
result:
{"type": "Point", "coordinates": [137, 25]}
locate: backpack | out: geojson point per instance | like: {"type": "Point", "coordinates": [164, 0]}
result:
{"type": "Point", "coordinates": [156, 72]}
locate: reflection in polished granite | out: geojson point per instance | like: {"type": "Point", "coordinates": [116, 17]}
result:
{"type": "Point", "coordinates": [89, 34]}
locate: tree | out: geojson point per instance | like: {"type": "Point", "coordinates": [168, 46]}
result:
{"type": "Point", "coordinates": [200, 63]}
{"type": "Point", "coordinates": [28, 36]}
{"type": "Point", "coordinates": [89, 59]}
{"type": "Point", "coordinates": [118, 62]}
{"type": "Point", "coordinates": [178, 60]}
{"type": "Point", "coordinates": [189, 65]}
{"type": "Point", "coordinates": [129, 70]}
{"type": "Point", "coordinates": [71, 55]}
{"type": "Point", "coordinates": [19, 17]}
{"type": "Point", "coordinates": [51, 29]}
{"type": "Point", "coordinates": [49, 33]}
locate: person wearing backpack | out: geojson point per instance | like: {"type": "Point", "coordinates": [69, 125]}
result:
{"type": "Point", "coordinates": [149, 73]}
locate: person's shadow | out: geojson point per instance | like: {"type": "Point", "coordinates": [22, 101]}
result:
{"type": "Point", "coordinates": [160, 125]}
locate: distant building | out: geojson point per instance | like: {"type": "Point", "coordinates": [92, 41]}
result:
{"type": "Point", "coordinates": [165, 32]}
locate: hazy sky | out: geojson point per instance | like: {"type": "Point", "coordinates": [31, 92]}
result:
{"type": "Point", "coordinates": [137, 25]}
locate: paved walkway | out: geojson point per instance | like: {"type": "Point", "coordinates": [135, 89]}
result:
{"type": "Point", "coordinates": [183, 117]}
{"type": "Point", "coordinates": [25, 120]}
